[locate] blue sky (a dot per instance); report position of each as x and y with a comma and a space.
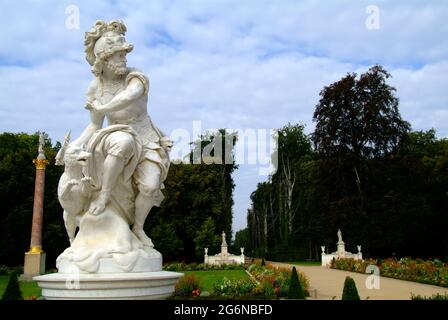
234, 64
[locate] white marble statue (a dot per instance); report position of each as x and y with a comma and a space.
224, 243
340, 236
110, 185
41, 146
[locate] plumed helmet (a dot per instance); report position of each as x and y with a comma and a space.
104, 39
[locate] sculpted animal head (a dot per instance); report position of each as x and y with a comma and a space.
76, 155
71, 154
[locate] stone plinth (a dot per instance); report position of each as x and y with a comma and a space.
224, 257
34, 265
327, 258
224, 251
112, 286
341, 248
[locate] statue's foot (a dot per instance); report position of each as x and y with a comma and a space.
98, 205
141, 235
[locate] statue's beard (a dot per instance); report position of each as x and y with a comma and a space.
118, 68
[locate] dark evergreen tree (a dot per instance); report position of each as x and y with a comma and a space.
12, 291
350, 292
295, 288
164, 235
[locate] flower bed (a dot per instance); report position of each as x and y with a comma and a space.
274, 282
432, 272
235, 289
187, 286
268, 283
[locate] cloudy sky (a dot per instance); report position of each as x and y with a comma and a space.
229, 64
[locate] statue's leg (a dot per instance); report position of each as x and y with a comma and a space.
119, 147
148, 186
70, 225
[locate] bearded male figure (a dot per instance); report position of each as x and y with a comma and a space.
129, 160
113, 176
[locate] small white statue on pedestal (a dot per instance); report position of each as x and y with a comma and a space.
340, 236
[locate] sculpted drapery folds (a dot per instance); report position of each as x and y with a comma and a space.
123, 165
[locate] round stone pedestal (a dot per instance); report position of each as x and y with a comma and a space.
110, 286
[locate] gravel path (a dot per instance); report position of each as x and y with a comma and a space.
328, 283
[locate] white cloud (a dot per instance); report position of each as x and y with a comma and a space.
251, 64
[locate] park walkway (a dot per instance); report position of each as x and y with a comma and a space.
328, 283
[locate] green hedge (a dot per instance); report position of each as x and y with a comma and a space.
437, 296
180, 266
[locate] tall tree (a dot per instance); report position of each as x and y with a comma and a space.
359, 117
17, 174
357, 121
206, 237
197, 192
384, 186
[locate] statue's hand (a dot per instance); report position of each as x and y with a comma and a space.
86, 180
96, 116
166, 143
72, 182
94, 105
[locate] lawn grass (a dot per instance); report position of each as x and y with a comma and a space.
208, 278
29, 289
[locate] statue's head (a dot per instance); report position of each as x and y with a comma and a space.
106, 47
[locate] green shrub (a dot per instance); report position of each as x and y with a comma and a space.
191, 266
180, 266
12, 291
437, 296
268, 290
201, 266
350, 292
4, 270
187, 286
251, 267
295, 288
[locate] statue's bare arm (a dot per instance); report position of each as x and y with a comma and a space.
96, 118
133, 91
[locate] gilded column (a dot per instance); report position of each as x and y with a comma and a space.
35, 257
